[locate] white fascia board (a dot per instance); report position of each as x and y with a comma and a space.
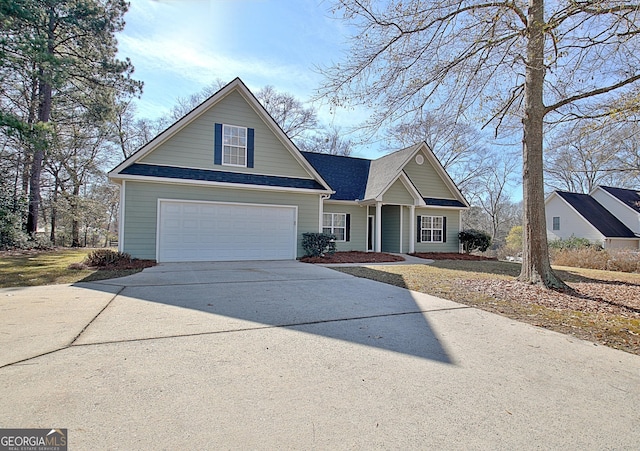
170, 181
343, 202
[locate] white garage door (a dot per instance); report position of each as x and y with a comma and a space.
211, 231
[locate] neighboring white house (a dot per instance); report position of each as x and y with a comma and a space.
581, 215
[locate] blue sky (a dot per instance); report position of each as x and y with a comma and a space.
180, 46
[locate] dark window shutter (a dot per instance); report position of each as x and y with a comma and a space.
217, 145
250, 135
419, 229
347, 232
444, 229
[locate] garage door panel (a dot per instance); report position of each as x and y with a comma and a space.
201, 231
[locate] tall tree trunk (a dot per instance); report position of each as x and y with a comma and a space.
536, 268
44, 114
75, 223
54, 211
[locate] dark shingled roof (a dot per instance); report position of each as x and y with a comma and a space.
432, 201
347, 176
597, 215
219, 176
629, 196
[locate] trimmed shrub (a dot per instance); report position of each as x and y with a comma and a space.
317, 244
106, 257
473, 239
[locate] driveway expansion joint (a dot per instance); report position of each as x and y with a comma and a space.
96, 317
274, 326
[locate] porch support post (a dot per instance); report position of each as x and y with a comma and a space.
378, 226
412, 229
401, 226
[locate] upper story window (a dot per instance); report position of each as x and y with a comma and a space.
556, 223
234, 145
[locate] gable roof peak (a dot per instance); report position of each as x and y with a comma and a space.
236, 85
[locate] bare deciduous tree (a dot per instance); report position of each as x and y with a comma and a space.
594, 152
501, 59
329, 140
492, 196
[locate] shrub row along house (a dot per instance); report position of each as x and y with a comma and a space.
607, 216
226, 183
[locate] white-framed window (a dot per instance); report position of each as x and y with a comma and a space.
556, 223
234, 145
335, 224
431, 229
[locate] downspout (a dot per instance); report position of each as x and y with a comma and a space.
323, 197
121, 218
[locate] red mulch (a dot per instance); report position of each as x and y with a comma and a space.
354, 257
451, 256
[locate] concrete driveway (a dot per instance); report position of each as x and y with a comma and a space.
284, 355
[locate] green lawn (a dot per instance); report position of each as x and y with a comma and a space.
51, 267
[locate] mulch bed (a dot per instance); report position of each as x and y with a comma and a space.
354, 257
451, 256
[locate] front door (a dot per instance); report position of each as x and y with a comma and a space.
370, 232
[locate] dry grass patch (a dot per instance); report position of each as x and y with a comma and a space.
33, 268
605, 307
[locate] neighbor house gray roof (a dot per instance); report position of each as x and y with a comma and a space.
598, 216
219, 176
629, 197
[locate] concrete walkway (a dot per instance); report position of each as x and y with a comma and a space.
284, 355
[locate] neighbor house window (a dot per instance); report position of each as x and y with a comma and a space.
556, 223
234, 145
335, 224
431, 229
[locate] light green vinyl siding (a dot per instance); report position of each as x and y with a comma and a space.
397, 194
427, 180
192, 146
390, 228
141, 202
453, 226
358, 238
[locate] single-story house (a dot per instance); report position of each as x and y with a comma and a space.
583, 216
226, 183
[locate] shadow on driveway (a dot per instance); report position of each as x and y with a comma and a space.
205, 298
